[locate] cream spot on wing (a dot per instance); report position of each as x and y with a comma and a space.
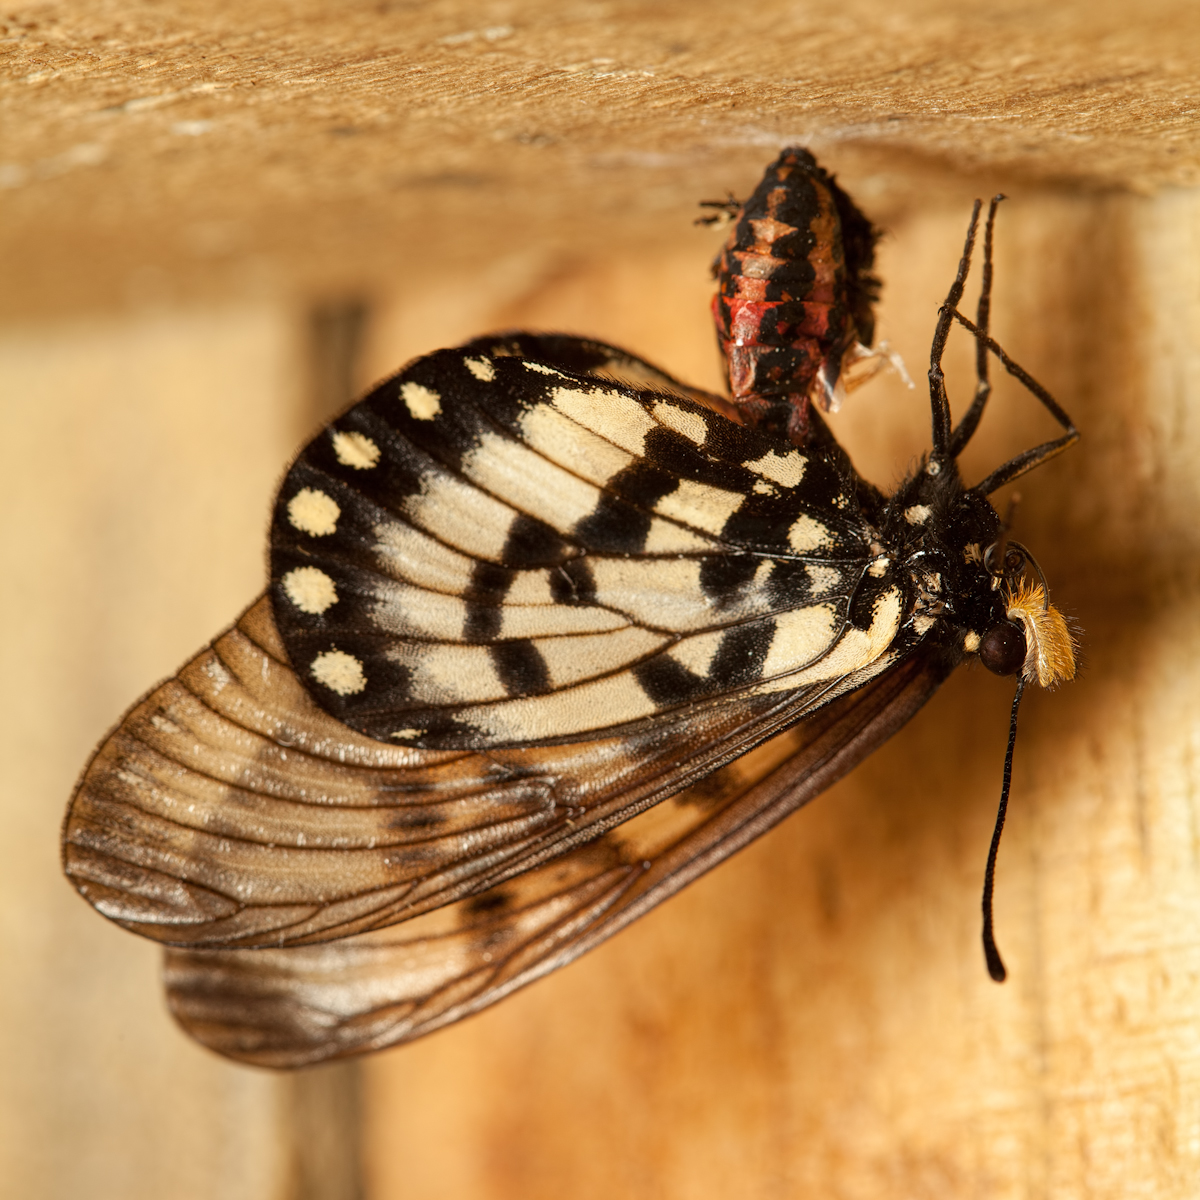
313, 512
340, 672
513, 472
570, 444
215, 670
461, 515
667, 538
542, 369
699, 505
662, 593
587, 706
697, 653
410, 611
529, 587
408, 733
453, 674
354, 449
691, 425
554, 620
763, 488
423, 403
923, 624
855, 650
971, 641
918, 514
613, 415
310, 589
408, 554
800, 636
878, 567
571, 660
824, 579
481, 369
807, 534
784, 469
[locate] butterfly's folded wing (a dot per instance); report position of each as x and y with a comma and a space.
228, 810
289, 1007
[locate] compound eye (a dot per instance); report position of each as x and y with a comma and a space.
1002, 649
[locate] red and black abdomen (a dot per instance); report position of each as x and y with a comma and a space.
795, 292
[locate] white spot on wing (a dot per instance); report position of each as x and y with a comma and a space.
340, 672
806, 535
423, 403
354, 449
784, 469
310, 589
481, 368
542, 369
313, 512
691, 425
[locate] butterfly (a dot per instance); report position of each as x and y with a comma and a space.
548, 636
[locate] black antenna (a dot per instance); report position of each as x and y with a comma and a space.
995, 964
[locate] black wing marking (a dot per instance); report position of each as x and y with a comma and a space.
492, 550
288, 1008
228, 810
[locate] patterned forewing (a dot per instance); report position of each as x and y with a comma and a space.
491, 550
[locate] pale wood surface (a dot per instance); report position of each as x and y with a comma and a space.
252, 144
134, 529
813, 1019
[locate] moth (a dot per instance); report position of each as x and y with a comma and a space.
548, 635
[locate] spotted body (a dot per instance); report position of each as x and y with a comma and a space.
546, 638
794, 294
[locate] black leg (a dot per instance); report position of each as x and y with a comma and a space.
1029, 459
938, 400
